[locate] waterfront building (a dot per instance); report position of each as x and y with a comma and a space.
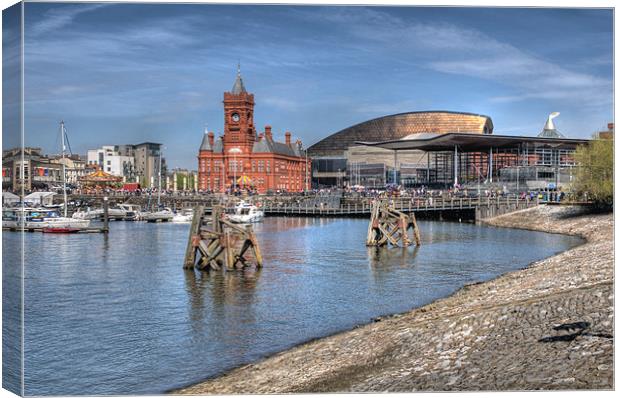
441, 150
514, 163
241, 157
75, 167
134, 163
606, 134
338, 160
28, 169
111, 161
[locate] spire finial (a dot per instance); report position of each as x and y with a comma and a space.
238, 67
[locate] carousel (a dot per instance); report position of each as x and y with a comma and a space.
100, 180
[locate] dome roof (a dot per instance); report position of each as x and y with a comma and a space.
398, 126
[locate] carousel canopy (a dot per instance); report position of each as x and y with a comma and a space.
244, 180
100, 176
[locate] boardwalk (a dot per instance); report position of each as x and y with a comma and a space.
337, 205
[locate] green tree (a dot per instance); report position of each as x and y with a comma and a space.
595, 174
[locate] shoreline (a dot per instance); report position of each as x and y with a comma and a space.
547, 326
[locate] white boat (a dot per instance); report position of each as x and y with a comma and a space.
114, 213
132, 212
34, 218
246, 213
164, 215
184, 216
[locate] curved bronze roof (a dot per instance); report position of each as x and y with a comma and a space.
394, 127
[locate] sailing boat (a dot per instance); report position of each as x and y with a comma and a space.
64, 223
46, 219
162, 215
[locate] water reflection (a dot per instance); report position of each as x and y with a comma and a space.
384, 258
118, 314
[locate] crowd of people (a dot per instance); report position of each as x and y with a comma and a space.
389, 191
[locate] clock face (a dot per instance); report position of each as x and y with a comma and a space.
235, 117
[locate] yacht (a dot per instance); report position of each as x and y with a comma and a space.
183, 216
246, 213
132, 212
114, 213
35, 218
163, 215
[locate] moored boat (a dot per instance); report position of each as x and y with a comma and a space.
35, 218
164, 215
183, 216
246, 213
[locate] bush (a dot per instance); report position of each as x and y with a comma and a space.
595, 174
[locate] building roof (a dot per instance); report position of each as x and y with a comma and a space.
549, 131
238, 87
397, 126
473, 142
9, 196
218, 145
267, 145
205, 146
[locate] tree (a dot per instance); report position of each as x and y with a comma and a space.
595, 174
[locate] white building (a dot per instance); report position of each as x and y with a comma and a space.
111, 161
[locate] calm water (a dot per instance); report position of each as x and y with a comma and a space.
119, 315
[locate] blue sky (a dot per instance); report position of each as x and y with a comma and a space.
128, 73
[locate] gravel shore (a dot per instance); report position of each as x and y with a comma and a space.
549, 327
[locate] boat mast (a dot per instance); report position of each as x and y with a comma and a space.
64, 175
159, 183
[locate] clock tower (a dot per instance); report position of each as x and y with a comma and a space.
239, 131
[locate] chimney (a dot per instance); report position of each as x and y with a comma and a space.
211, 138
287, 137
610, 126
268, 132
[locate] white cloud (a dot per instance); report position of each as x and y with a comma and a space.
468, 52
58, 18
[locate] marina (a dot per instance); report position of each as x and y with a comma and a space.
127, 324
334, 199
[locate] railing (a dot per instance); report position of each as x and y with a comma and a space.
324, 205
412, 205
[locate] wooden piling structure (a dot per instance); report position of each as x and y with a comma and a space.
388, 225
216, 242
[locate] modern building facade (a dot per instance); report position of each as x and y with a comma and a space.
134, 163
241, 157
108, 159
515, 163
338, 159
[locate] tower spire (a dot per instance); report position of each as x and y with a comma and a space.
238, 87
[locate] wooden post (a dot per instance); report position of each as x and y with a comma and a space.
194, 230
106, 217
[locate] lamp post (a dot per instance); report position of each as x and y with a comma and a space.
235, 151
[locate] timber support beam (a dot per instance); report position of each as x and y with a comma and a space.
388, 225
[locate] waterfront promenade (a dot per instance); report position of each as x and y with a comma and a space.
549, 326
455, 207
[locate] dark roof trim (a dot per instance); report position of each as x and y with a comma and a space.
472, 142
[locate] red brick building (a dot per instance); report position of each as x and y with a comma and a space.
253, 160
